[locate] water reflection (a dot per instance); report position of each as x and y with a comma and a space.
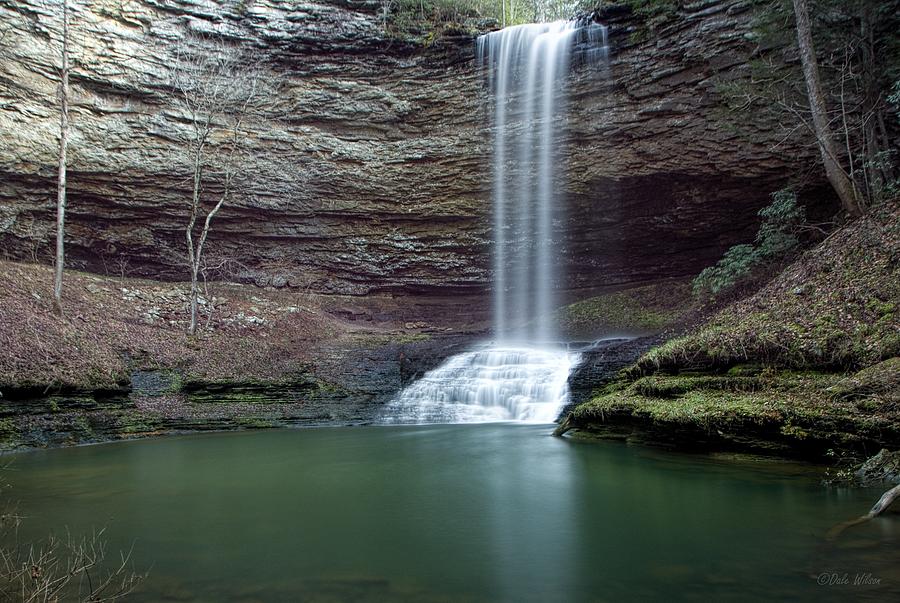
456, 513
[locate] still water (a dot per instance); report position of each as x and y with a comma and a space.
497, 512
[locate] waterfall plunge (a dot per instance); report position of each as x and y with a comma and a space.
527, 68
523, 375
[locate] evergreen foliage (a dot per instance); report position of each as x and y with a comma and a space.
425, 16
776, 237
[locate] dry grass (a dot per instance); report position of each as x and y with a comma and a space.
112, 325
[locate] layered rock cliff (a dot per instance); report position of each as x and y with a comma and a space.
371, 170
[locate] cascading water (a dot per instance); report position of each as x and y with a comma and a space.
527, 68
523, 374
490, 384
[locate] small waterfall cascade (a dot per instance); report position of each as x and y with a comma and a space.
490, 384
523, 374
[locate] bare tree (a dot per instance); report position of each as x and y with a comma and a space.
840, 180
63, 147
853, 71
219, 86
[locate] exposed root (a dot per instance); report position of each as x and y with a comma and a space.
886, 500
567, 424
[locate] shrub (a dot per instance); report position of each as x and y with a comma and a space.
778, 232
734, 265
777, 236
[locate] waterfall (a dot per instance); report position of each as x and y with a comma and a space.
523, 374
527, 68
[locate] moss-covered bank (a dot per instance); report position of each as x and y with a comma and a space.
806, 366
635, 311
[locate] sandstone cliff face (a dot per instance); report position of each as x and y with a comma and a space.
371, 171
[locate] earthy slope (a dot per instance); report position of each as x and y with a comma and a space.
118, 363
807, 365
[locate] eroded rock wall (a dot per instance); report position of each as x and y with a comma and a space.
371, 170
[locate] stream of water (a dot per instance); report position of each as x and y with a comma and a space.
527, 68
489, 384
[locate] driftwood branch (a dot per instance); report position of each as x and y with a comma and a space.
886, 500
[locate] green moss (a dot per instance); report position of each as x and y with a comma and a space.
880, 379
136, 422
175, 381
256, 423
826, 327
701, 408
136, 427
745, 370
646, 309
794, 432
81, 428
7, 428
883, 309
768, 406
234, 397
9, 434
328, 387
659, 386
666, 8
253, 390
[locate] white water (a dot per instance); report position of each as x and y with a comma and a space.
528, 67
522, 377
493, 384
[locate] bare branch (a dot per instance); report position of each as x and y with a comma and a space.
219, 86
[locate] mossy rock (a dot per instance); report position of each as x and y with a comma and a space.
789, 409
745, 370
882, 379
883, 467
835, 309
639, 310
257, 423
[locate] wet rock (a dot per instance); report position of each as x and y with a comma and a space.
601, 361
883, 467
348, 385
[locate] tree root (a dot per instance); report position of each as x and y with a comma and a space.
566, 425
886, 500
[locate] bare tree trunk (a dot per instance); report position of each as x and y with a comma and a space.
843, 185
63, 145
195, 268
193, 254
218, 86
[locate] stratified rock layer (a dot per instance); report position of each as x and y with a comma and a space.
371, 169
